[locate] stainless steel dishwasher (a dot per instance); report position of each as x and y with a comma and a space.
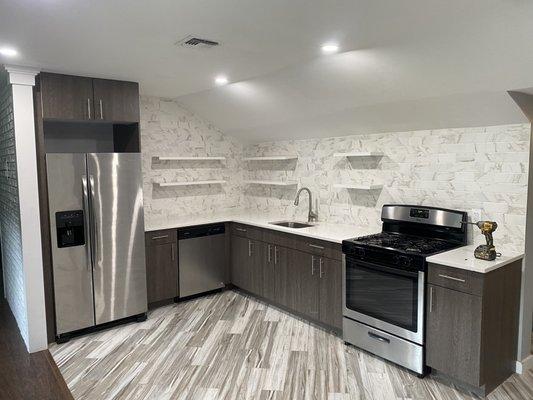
202, 255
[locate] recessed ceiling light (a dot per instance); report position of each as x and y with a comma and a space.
8, 51
221, 80
329, 48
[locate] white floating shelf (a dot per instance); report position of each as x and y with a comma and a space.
272, 183
178, 158
357, 187
271, 158
359, 154
190, 183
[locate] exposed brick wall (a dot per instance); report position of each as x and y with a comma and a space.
9, 210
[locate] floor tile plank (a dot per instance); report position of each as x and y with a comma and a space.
230, 346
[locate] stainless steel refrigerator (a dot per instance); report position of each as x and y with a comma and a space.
97, 238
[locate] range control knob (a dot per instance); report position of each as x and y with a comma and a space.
360, 252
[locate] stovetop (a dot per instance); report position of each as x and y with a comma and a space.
396, 250
409, 235
408, 244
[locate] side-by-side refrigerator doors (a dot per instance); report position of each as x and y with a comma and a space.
70, 240
119, 275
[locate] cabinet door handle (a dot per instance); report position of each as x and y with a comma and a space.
320, 264
250, 244
269, 255
159, 237
172, 255
240, 229
452, 278
101, 110
315, 246
275, 255
379, 338
431, 299
89, 108
312, 265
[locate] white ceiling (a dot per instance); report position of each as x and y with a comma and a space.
403, 65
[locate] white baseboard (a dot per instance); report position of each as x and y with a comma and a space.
524, 365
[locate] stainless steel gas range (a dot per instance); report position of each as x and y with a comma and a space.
384, 280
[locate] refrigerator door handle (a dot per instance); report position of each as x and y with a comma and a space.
94, 224
86, 221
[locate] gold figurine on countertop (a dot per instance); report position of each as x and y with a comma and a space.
486, 251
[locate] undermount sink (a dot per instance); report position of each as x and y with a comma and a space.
292, 224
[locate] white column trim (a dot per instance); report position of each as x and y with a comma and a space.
21, 75
22, 81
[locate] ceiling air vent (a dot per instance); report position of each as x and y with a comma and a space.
196, 43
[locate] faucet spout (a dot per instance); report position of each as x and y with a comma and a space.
311, 216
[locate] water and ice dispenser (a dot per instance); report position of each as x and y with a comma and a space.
70, 228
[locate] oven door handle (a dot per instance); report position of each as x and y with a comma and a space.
378, 338
354, 263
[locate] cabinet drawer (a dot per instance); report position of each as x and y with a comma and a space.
161, 237
456, 279
318, 247
302, 243
278, 238
247, 231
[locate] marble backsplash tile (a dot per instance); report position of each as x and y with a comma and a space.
483, 169
169, 130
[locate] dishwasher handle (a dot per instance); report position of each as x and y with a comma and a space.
201, 231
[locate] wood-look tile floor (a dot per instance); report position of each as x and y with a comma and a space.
229, 346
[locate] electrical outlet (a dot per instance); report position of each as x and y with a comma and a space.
472, 233
475, 215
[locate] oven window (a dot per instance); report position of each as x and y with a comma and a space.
385, 294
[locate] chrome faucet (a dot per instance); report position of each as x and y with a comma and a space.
312, 216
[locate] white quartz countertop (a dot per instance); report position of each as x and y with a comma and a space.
463, 258
321, 230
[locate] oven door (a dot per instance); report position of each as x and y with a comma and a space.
385, 298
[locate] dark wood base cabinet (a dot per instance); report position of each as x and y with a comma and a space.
304, 276
298, 274
472, 324
161, 265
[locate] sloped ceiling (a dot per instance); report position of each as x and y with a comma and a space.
403, 65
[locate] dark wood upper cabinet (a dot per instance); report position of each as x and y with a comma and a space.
66, 97
116, 100
76, 98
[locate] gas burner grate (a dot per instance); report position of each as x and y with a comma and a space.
405, 243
